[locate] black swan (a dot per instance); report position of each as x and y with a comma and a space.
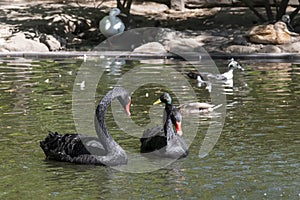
164, 142
101, 150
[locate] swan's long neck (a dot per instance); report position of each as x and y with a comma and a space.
112, 17
229, 73
100, 124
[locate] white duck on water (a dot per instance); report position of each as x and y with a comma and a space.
225, 76
111, 25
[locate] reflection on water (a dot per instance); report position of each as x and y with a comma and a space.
256, 156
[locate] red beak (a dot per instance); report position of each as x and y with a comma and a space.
127, 108
178, 128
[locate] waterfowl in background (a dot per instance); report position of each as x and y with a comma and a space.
287, 20
199, 78
165, 142
232, 65
277, 33
111, 25
101, 150
197, 107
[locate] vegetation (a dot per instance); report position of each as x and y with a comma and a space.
280, 8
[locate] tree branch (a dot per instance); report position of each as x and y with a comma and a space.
295, 12
282, 8
268, 10
252, 8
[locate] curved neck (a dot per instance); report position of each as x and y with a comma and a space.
112, 17
100, 113
230, 69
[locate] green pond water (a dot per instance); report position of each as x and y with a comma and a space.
256, 156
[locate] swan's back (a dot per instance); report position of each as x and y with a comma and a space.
155, 143
153, 139
176, 148
72, 148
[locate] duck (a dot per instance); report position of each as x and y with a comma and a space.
111, 25
197, 107
199, 78
277, 34
164, 141
82, 149
287, 20
232, 65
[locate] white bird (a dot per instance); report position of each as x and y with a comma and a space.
231, 66
111, 25
225, 76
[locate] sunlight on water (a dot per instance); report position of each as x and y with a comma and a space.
256, 156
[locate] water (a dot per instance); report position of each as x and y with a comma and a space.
256, 156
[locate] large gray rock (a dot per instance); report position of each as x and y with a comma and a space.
51, 42
184, 45
292, 48
270, 49
19, 42
151, 47
242, 49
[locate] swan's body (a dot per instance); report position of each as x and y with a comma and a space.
163, 141
111, 25
232, 65
76, 148
197, 107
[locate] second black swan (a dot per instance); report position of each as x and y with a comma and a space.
164, 142
101, 150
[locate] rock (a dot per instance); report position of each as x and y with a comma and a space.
184, 45
270, 49
166, 35
147, 7
292, 48
51, 42
18, 42
151, 47
5, 31
242, 49
239, 40
177, 5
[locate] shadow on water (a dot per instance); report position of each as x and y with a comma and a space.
256, 156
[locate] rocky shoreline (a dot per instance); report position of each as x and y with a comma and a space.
42, 27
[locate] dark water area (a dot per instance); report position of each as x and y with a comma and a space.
255, 156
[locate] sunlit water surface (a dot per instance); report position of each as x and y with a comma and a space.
257, 156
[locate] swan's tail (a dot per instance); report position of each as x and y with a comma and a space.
57, 146
75, 148
50, 143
